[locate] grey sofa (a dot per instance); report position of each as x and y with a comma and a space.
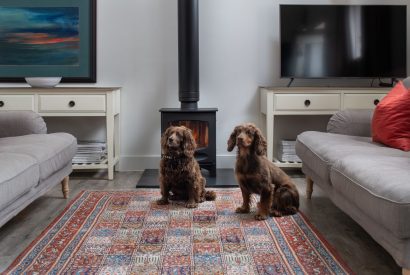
31, 161
368, 181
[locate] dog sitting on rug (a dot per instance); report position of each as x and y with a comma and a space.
257, 175
179, 171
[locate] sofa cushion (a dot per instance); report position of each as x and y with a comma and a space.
351, 122
20, 123
320, 150
19, 173
52, 151
379, 186
391, 119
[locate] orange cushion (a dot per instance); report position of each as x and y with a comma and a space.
391, 119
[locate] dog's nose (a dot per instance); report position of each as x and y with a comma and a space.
170, 139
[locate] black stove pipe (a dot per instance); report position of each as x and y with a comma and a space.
188, 53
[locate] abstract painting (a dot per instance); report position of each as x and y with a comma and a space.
47, 39
39, 36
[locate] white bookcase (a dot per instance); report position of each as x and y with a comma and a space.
73, 102
307, 108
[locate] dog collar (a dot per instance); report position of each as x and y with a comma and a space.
172, 157
174, 161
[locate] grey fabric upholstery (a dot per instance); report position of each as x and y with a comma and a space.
20, 203
13, 123
406, 82
51, 151
398, 248
321, 150
31, 161
351, 122
16, 177
381, 191
367, 180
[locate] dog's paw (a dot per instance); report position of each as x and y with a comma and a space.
260, 217
162, 202
276, 213
242, 210
191, 205
174, 198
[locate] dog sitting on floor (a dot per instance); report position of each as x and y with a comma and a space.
179, 170
257, 175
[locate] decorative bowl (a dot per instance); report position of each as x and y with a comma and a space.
43, 82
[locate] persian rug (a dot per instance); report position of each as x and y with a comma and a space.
126, 232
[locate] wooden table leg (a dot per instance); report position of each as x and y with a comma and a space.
309, 187
64, 186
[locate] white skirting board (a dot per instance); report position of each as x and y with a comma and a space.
140, 163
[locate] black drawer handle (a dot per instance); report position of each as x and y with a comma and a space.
71, 103
1, 103
307, 102
376, 101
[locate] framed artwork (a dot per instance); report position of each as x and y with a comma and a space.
48, 38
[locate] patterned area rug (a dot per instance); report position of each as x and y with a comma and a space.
125, 232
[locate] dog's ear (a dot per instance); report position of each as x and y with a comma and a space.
164, 138
259, 143
232, 138
189, 144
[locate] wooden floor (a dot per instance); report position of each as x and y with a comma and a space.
354, 245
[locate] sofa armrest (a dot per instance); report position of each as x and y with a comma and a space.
406, 82
19, 123
351, 122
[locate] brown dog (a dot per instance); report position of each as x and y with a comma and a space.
257, 175
179, 171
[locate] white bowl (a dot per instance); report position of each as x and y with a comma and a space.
43, 82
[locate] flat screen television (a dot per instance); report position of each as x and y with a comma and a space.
326, 41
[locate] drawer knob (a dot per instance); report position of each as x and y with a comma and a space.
71, 103
1, 103
307, 102
376, 101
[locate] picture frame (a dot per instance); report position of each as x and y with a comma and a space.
48, 38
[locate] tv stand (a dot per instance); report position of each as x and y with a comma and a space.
286, 112
384, 84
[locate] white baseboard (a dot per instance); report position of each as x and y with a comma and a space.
140, 163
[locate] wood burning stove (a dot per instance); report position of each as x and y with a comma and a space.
202, 121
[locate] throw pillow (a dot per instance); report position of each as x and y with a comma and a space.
391, 119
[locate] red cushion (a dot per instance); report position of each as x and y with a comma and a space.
391, 119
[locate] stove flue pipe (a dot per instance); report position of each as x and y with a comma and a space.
188, 53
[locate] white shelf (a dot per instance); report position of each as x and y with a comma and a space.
287, 164
307, 108
98, 165
88, 102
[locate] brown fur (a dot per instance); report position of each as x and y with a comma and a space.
257, 175
179, 171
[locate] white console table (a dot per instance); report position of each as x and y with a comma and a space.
73, 102
305, 102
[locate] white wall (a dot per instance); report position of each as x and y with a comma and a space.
239, 51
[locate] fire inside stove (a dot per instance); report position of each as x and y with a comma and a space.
200, 130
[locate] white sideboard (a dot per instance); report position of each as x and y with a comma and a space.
306, 104
70, 102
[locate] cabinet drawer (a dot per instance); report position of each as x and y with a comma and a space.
362, 101
72, 103
306, 102
16, 103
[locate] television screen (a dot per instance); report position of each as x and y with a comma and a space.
319, 41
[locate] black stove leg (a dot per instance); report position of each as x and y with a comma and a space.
212, 172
